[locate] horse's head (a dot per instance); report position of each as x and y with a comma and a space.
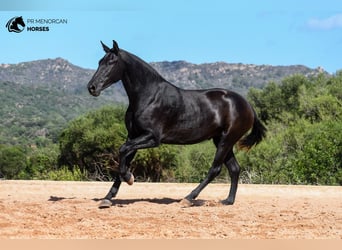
109, 71
19, 20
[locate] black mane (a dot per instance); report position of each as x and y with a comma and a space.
141, 66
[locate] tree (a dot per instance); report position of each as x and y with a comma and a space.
320, 159
268, 102
275, 100
290, 92
12, 161
92, 142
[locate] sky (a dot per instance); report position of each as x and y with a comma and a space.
287, 32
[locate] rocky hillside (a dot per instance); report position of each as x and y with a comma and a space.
54, 74
235, 76
60, 74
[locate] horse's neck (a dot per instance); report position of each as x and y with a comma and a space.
139, 67
139, 77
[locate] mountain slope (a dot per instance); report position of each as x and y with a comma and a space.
52, 72
61, 74
30, 114
234, 76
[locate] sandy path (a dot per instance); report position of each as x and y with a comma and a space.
68, 210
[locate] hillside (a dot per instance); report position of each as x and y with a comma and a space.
31, 114
62, 75
53, 74
39, 97
235, 76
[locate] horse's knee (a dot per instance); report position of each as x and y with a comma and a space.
213, 172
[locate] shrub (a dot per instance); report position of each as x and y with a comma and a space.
12, 161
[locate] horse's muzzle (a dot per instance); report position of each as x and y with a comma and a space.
92, 90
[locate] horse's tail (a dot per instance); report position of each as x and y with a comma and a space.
255, 136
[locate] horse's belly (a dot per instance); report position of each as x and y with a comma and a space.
188, 136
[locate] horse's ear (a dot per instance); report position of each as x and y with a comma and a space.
105, 48
115, 48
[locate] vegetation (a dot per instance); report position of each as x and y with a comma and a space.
303, 145
32, 115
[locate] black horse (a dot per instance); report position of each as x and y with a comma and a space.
160, 112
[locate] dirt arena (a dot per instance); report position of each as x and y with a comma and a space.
68, 210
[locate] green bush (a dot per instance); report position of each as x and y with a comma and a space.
320, 158
301, 154
12, 161
40, 161
64, 173
304, 143
156, 164
91, 142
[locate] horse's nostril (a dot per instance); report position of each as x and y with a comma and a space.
92, 89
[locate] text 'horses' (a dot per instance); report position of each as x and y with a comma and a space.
160, 112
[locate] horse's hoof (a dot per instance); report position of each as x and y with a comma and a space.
227, 202
131, 180
186, 203
105, 204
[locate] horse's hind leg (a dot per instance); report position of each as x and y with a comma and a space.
222, 150
234, 172
213, 172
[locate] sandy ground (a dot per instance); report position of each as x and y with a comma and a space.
68, 210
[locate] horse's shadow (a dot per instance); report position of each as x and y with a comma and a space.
57, 198
160, 201
126, 202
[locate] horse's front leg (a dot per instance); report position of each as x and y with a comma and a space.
106, 202
130, 147
124, 162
